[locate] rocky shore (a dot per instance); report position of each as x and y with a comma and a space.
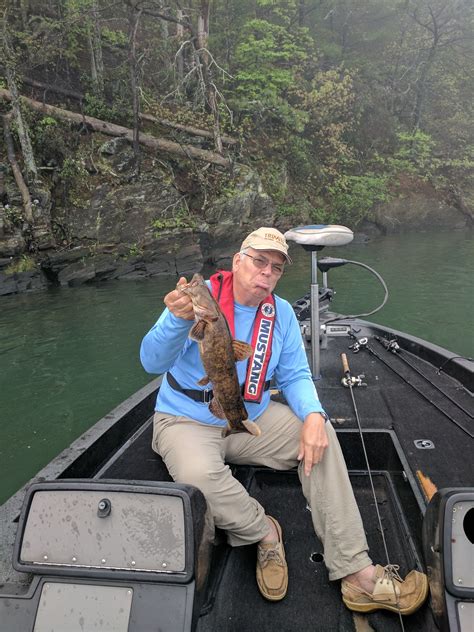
120, 227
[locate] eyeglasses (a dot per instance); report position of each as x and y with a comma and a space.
261, 263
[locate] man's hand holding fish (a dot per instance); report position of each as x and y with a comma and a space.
178, 303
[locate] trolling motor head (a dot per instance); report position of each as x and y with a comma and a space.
314, 238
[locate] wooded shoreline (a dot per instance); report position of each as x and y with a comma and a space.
131, 126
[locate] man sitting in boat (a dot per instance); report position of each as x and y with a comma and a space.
189, 438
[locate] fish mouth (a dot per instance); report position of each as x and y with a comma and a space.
194, 283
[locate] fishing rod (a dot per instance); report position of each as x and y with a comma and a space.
394, 347
362, 343
349, 380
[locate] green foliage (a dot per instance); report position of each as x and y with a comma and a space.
275, 181
181, 219
135, 250
52, 140
114, 38
24, 264
330, 105
414, 154
287, 210
352, 198
97, 107
269, 58
14, 214
75, 178
322, 96
73, 168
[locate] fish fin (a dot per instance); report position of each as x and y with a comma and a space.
242, 350
226, 431
204, 380
252, 427
197, 330
216, 408
249, 426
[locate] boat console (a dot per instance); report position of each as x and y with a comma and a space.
109, 555
448, 543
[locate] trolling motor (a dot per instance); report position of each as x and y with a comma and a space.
313, 238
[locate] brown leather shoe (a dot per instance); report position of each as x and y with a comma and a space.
272, 571
391, 592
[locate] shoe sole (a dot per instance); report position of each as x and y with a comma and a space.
261, 587
372, 606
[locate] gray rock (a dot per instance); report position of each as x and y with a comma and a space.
230, 220
414, 211
56, 261
134, 275
76, 273
113, 146
105, 267
8, 284
5, 261
30, 281
12, 245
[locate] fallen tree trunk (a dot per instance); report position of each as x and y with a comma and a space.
110, 129
77, 96
195, 131
20, 181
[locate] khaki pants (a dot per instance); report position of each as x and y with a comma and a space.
196, 454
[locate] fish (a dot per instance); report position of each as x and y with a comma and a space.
219, 352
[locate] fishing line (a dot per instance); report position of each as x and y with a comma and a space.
347, 373
393, 347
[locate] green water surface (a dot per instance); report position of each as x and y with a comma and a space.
68, 356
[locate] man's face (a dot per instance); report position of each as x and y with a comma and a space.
252, 282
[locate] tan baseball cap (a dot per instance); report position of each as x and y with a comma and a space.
267, 239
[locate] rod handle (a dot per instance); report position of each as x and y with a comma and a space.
345, 363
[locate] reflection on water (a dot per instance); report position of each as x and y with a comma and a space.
69, 356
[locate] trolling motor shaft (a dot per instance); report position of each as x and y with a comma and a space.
314, 238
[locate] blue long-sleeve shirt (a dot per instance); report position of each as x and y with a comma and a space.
167, 347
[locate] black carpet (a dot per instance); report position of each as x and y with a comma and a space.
312, 602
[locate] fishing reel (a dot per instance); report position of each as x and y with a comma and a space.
390, 345
353, 380
359, 344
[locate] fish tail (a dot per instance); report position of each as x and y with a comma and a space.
252, 427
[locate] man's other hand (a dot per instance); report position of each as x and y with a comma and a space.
313, 441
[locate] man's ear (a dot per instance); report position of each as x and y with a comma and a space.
236, 259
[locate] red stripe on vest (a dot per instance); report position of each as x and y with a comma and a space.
262, 334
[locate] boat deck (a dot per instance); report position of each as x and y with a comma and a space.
393, 416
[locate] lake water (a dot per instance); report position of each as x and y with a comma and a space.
68, 356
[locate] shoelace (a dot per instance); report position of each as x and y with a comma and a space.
390, 572
265, 555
